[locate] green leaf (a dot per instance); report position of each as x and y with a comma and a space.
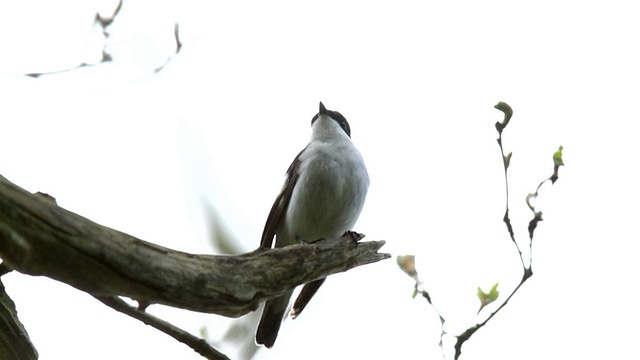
557, 157
488, 298
557, 162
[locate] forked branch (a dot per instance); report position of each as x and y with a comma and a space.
407, 264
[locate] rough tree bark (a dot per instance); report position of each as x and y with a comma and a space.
37, 237
14, 340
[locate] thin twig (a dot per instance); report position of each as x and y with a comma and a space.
104, 22
419, 288
176, 35
198, 345
406, 262
527, 271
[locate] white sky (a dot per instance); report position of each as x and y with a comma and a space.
417, 80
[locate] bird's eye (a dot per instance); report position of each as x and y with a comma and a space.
345, 127
342, 121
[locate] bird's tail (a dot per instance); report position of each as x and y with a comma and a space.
307, 292
272, 317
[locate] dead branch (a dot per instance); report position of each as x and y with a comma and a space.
37, 237
14, 342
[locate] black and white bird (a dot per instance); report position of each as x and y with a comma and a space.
322, 197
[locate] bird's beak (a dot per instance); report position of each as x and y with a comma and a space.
323, 110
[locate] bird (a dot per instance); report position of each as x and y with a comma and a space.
322, 197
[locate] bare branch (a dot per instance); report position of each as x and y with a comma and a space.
14, 342
176, 35
198, 345
527, 270
104, 22
407, 262
37, 237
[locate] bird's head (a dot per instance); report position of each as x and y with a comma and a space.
328, 121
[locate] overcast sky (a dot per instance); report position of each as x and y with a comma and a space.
142, 152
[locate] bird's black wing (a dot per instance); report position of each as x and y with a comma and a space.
279, 207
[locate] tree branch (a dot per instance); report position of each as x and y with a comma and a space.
37, 237
407, 262
14, 342
198, 345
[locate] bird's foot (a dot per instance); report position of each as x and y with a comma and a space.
355, 236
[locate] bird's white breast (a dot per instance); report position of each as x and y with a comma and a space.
329, 194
